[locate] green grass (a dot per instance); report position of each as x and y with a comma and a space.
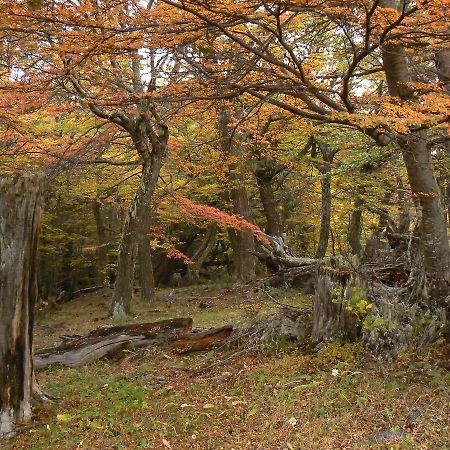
334, 398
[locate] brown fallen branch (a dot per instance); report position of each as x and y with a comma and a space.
204, 340
112, 341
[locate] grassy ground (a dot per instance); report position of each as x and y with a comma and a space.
294, 398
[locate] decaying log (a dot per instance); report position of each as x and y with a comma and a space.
105, 342
204, 340
111, 341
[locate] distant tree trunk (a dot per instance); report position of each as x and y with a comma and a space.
20, 210
264, 178
145, 260
243, 245
419, 165
325, 216
202, 253
123, 291
405, 218
242, 242
102, 251
355, 227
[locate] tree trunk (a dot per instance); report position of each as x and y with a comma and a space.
443, 66
114, 341
242, 242
20, 210
424, 187
201, 254
145, 259
274, 226
355, 227
338, 285
433, 226
102, 250
325, 217
123, 291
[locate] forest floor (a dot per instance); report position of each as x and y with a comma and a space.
283, 398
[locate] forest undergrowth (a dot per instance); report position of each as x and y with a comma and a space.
287, 396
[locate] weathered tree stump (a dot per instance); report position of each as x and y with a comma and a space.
20, 209
338, 283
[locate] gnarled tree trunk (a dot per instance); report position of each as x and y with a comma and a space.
20, 210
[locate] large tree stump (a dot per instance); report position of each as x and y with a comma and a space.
338, 284
20, 209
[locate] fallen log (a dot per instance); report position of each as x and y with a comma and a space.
107, 342
204, 340
112, 341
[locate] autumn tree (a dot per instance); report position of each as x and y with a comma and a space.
99, 58
282, 61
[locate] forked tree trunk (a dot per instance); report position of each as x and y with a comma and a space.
20, 210
201, 254
123, 291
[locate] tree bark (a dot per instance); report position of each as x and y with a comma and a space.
325, 216
443, 67
264, 179
112, 342
20, 210
145, 259
242, 242
355, 227
337, 283
102, 250
244, 262
121, 303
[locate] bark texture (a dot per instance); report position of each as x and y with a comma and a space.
145, 259
20, 210
265, 174
355, 227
